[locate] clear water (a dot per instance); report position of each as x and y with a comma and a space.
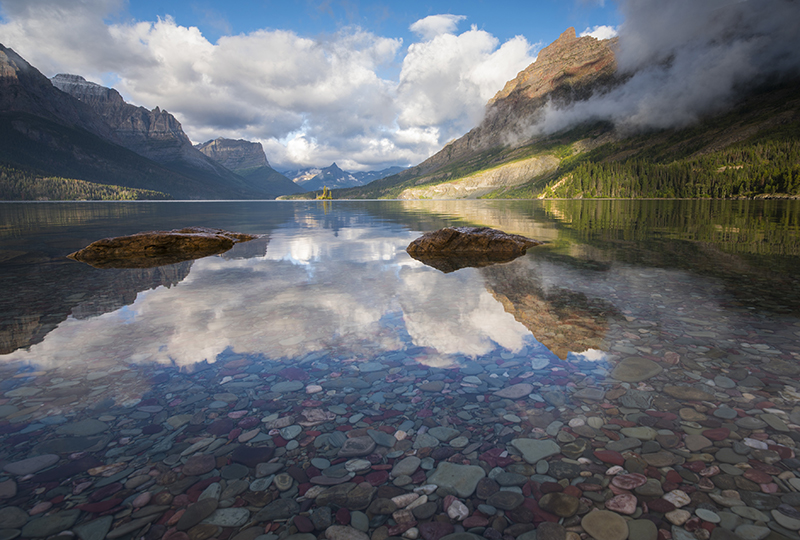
334, 279
325, 325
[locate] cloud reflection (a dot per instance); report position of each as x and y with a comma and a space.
352, 292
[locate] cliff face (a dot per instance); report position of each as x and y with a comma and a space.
155, 134
235, 154
568, 69
24, 89
248, 160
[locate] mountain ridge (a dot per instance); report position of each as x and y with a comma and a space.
104, 146
333, 177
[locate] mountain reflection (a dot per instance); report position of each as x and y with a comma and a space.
354, 293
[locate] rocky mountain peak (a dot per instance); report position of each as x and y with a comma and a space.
90, 93
571, 68
568, 59
235, 154
155, 134
24, 89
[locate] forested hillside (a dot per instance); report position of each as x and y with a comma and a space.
16, 185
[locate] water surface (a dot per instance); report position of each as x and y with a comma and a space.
326, 312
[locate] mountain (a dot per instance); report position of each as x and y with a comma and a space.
156, 134
248, 160
46, 133
365, 177
299, 176
748, 147
53, 145
314, 179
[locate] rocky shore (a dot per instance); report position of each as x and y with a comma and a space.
680, 445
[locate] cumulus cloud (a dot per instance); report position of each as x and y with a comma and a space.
309, 101
600, 32
435, 25
446, 81
685, 59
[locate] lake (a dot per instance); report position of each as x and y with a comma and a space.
297, 379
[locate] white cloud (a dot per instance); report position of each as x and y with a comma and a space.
435, 25
445, 82
600, 32
309, 101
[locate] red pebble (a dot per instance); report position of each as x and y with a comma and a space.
693, 524
475, 521
551, 487
717, 434
418, 477
674, 477
303, 524
609, 456
662, 506
377, 478
784, 451
575, 491
343, 516
759, 477
694, 466
669, 486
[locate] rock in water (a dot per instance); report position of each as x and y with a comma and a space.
158, 248
453, 248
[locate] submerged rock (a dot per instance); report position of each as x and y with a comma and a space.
453, 248
158, 248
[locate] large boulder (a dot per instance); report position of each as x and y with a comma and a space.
157, 248
452, 248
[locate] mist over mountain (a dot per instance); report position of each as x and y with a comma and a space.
683, 60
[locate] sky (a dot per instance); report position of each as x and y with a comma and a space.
364, 84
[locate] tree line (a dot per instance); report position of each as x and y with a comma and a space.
760, 169
16, 185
